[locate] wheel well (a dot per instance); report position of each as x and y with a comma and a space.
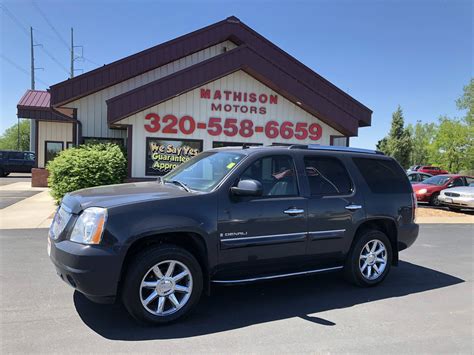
388, 227
191, 242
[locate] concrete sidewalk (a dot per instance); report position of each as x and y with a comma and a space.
33, 212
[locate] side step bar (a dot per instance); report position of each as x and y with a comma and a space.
270, 277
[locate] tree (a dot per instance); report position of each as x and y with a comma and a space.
422, 135
9, 138
466, 102
452, 144
398, 142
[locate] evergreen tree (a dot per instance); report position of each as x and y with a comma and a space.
398, 142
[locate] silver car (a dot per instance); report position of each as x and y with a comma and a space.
456, 198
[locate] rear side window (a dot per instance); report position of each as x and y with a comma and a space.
327, 176
383, 176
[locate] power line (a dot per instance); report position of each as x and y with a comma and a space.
15, 20
63, 41
23, 70
27, 33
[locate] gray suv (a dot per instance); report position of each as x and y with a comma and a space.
231, 216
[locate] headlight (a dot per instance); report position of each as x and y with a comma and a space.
89, 226
422, 191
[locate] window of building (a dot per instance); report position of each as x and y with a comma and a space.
339, 141
327, 176
69, 145
276, 174
52, 149
383, 175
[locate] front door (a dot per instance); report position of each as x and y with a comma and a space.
333, 206
265, 234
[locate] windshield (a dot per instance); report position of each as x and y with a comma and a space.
204, 171
437, 180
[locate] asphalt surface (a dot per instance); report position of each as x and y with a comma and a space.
424, 306
15, 177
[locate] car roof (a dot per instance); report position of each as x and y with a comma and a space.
281, 149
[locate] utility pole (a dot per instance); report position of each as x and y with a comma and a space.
32, 126
32, 59
72, 53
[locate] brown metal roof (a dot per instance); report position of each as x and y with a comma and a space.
228, 29
35, 104
242, 58
35, 99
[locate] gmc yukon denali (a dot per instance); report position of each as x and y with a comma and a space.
230, 216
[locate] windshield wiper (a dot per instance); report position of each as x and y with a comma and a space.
179, 183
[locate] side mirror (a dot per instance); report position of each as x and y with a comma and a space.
247, 188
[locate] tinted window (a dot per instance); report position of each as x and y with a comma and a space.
16, 155
469, 180
413, 177
458, 182
276, 173
383, 176
29, 156
327, 176
52, 149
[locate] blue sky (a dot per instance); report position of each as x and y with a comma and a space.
417, 54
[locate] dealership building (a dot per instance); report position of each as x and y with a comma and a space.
221, 85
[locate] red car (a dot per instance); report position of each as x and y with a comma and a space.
433, 170
429, 189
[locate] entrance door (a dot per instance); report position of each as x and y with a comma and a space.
332, 206
263, 234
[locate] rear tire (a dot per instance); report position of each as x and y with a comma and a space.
152, 293
369, 260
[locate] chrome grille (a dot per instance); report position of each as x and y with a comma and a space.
61, 218
452, 194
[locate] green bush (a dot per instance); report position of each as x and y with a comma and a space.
86, 166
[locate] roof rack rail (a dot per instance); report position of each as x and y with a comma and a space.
335, 148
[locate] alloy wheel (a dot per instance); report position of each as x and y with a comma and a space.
373, 259
166, 288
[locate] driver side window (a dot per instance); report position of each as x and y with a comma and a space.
275, 173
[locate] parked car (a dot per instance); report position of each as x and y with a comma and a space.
433, 170
415, 177
231, 216
413, 168
457, 198
16, 162
429, 190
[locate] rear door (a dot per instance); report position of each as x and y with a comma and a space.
334, 205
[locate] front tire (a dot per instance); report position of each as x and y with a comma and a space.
162, 284
434, 200
369, 260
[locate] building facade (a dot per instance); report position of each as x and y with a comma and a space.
222, 85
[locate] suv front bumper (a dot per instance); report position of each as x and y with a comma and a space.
90, 269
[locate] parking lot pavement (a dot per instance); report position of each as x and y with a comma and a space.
15, 177
424, 306
8, 198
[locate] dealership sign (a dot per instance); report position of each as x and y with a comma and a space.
225, 103
163, 155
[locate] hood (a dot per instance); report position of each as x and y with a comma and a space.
461, 190
116, 195
419, 186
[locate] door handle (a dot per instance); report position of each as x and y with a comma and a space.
293, 211
353, 207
